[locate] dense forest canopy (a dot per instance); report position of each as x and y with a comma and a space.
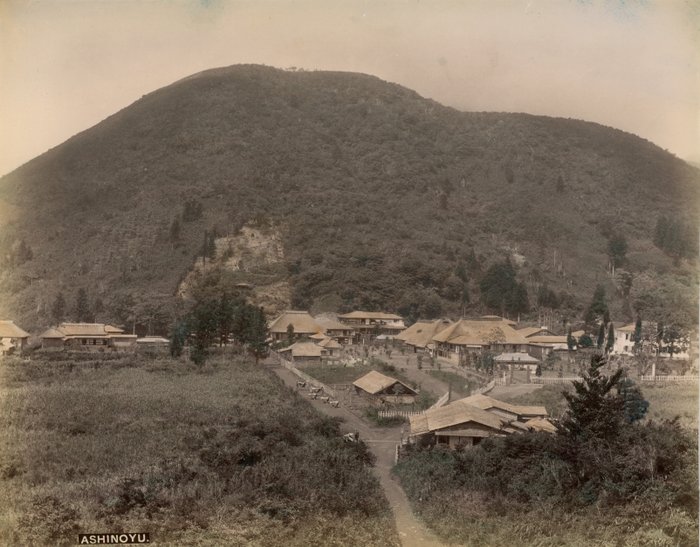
383, 199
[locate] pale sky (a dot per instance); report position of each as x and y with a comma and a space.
631, 64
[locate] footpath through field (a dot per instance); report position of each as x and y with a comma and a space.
382, 442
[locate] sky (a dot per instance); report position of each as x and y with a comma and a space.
65, 65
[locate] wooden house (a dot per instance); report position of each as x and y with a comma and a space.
517, 361
378, 387
304, 353
490, 333
419, 336
467, 421
301, 321
12, 338
332, 328
87, 337
367, 325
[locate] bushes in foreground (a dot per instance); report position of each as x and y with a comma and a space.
642, 477
222, 456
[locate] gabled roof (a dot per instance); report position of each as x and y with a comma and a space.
626, 328
304, 349
538, 339
329, 343
302, 322
9, 330
516, 358
328, 323
52, 333
480, 332
92, 330
485, 402
452, 415
421, 333
372, 315
374, 382
528, 332
540, 424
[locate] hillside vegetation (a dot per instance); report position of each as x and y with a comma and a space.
224, 455
383, 199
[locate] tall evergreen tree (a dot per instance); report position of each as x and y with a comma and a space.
58, 309
601, 336
203, 324
178, 336
82, 306
257, 333
570, 341
595, 411
598, 306
611, 338
637, 336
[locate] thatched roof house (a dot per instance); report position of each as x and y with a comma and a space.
385, 388
476, 335
301, 321
466, 421
304, 352
420, 334
12, 338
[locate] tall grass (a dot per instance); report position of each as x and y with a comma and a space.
222, 455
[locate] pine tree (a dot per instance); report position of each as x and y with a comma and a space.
611, 338
635, 406
178, 336
601, 336
58, 309
594, 410
203, 324
82, 307
258, 333
570, 341
290, 334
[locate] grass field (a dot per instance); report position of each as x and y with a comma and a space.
460, 385
346, 374
666, 401
225, 455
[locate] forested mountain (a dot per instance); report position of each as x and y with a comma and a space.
382, 199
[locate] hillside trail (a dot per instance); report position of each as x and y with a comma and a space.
382, 442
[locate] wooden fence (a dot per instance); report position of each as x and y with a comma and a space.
668, 378
399, 413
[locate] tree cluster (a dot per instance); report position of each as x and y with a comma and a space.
675, 237
501, 292
220, 321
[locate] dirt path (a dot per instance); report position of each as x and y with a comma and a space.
382, 442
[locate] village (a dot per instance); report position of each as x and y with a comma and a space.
434, 374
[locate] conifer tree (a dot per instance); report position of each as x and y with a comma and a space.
601, 336
82, 307
611, 338
257, 333
595, 411
58, 309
